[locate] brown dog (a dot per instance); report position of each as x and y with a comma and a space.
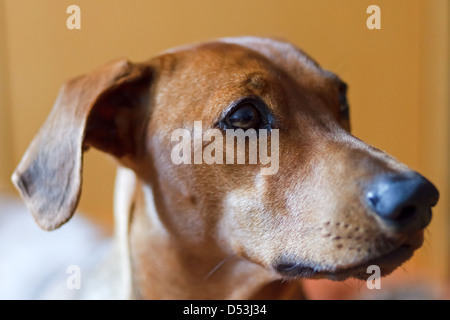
335, 206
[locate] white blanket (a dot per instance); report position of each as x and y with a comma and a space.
35, 264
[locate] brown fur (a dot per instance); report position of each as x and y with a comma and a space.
217, 231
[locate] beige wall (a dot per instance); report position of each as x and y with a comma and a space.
434, 125
393, 73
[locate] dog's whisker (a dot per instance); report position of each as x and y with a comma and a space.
427, 238
360, 285
217, 267
344, 282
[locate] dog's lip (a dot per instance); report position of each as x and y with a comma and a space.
387, 263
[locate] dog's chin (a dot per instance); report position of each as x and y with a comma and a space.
387, 263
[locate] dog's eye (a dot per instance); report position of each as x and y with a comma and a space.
245, 116
247, 113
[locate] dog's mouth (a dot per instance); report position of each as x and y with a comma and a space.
386, 262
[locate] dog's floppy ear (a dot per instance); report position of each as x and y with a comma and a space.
100, 109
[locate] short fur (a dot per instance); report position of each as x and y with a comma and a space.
216, 231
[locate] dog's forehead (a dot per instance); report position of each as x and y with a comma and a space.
255, 52
284, 54
290, 59
205, 79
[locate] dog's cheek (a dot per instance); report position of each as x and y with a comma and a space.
252, 230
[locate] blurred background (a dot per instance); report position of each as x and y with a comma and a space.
398, 78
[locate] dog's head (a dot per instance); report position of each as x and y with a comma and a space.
331, 207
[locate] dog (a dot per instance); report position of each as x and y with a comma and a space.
226, 231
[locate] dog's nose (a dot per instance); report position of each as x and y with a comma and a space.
403, 200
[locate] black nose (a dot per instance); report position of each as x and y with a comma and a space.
403, 200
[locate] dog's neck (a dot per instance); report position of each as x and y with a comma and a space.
161, 266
